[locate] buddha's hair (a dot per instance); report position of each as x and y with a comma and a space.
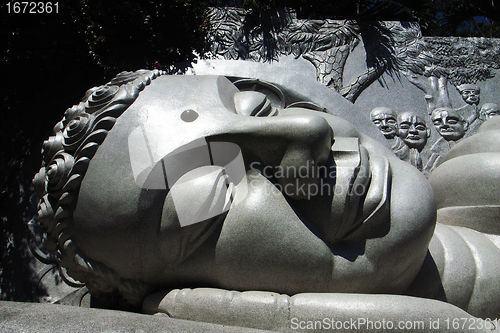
66, 156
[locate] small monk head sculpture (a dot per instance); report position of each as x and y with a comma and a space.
449, 123
413, 130
470, 93
489, 110
386, 121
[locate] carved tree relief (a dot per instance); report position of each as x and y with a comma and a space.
432, 63
429, 63
237, 34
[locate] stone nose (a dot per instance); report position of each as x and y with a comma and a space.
385, 123
270, 138
284, 142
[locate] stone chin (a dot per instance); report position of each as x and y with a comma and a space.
475, 160
451, 135
388, 133
415, 142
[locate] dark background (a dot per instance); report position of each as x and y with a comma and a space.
50, 60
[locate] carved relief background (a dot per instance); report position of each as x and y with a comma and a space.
441, 68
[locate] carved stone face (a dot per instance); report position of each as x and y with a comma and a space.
312, 218
470, 96
489, 110
449, 123
386, 121
413, 130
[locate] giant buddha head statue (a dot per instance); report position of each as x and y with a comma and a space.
161, 181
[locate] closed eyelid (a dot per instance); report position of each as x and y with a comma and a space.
253, 103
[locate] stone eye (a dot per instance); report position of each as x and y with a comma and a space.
253, 103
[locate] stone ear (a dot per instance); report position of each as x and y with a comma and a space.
428, 132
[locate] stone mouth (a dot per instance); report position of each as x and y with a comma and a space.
362, 185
